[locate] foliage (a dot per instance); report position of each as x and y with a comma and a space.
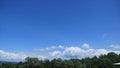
103, 61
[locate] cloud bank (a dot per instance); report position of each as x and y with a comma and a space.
77, 52
58, 52
8, 56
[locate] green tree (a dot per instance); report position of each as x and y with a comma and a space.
32, 62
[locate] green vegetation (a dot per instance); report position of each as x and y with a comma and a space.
103, 61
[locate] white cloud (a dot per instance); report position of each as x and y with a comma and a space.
45, 49
115, 46
56, 54
86, 46
49, 48
77, 52
61, 47
72, 52
11, 56
99, 52
40, 57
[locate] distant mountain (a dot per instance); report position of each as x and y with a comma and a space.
9, 62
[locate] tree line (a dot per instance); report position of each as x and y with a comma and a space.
103, 61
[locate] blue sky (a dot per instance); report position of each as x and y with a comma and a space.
27, 24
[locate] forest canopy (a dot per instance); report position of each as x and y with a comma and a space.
103, 61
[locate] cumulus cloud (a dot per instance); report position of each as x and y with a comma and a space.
77, 52
99, 52
72, 52
86, 46
56, 54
